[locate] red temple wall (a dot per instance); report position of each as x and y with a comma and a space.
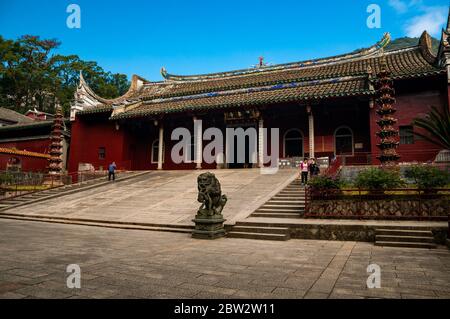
28, 163
90, 135
38, 146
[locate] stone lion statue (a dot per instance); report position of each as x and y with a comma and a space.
210, 195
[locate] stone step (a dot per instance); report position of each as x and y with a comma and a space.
297, 195
405, 244
278, 237
403, 232
288, 199
51, 193
9, 202
410, 239
276, 202
20, 199
283, 207
293, 189
264, 230
131, 226
35, 196
276, 215
279, 210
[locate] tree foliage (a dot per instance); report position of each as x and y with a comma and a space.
436, 126
426, 177
31, 76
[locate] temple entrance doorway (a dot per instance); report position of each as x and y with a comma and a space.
242, 156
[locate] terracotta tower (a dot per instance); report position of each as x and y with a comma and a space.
55, 161
388, 134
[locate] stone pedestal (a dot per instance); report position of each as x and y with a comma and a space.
208, 227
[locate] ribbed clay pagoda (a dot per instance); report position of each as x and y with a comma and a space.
388, 133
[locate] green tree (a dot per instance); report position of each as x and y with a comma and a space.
32, 77
436, 126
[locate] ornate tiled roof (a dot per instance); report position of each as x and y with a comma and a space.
345, 75
295, 91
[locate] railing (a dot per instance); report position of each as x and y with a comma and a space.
399, 203
16, 185
334, 167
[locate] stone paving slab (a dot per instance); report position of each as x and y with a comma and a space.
117, 263
162, 197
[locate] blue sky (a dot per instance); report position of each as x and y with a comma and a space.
194, 37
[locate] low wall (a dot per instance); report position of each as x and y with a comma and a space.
340, 232
406, 207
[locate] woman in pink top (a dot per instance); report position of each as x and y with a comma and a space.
304, 168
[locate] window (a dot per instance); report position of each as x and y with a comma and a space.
406, 135
101, 153
293, 143
155, 150
343, 141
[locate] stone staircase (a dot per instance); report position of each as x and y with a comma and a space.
289, 203
412, 237
39, 196
259, 231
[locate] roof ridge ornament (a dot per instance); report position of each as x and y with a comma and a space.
425, 45
164, 73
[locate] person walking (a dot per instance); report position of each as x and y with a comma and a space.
112, 171
304, 171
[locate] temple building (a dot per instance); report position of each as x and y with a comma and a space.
25, 140
323, 108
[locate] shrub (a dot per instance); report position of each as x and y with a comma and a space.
427, 177
324, 183
378, 179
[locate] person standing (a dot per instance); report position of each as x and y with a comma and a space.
304, 166
314, 169
112, 171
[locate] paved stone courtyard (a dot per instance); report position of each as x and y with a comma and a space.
117, 263
162, 197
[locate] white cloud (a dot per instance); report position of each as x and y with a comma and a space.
399, 5
432, 21
402, 6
